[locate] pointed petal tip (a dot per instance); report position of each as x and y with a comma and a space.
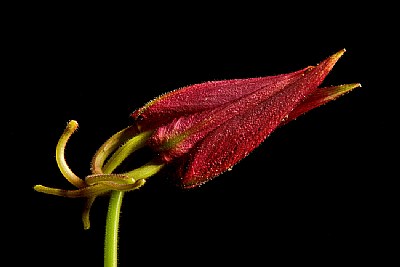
335, 91
338, 54
350, 86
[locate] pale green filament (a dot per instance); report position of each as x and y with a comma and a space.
60, 158
110, 146
125, 150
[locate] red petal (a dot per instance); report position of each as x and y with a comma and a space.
205, 96
320, 97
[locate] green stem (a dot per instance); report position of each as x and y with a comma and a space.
114, 207
111, 238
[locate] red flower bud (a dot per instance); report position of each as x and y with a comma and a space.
207, 128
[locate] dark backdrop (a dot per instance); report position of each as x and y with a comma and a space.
320, 186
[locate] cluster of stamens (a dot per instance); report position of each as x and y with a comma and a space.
107, 158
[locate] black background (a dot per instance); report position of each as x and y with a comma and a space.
317, 190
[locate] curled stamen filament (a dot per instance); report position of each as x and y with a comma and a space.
101, 178
110, 146
88, 191
60, 157
98, 184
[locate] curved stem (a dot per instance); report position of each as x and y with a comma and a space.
112, 223
125, 150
